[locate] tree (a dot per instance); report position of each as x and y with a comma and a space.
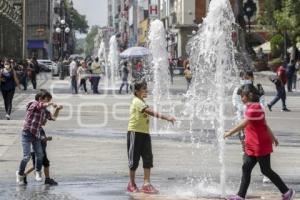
288, 18
270, 7
79, 22
90, 40
283, 16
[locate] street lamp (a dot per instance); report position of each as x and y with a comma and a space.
249, 10
62, 29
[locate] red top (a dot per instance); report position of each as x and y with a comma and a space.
258, 142
281, 73
139, 67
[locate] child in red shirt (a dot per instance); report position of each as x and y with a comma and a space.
258, 146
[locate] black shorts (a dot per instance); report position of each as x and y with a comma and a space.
46, 162
139, 145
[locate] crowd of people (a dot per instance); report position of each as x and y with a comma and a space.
14, 74
257, 138
83, 71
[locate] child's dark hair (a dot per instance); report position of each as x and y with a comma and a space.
250, 92
139, 85
249, 73
43, 94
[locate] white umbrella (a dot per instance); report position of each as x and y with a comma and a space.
135, 52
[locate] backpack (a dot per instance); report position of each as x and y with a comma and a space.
260, 89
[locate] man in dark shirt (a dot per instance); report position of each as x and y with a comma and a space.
280, 80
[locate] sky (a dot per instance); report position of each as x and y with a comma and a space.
95, 11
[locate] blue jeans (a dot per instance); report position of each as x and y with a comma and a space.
290, 81
74, 84
95, 83
281, 94
27, 140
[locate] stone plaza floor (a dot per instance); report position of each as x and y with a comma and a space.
89, 161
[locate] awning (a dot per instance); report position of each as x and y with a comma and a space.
36, 44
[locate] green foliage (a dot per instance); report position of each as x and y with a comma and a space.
270, 7
277, 44
283, 15
79, 22
89, 40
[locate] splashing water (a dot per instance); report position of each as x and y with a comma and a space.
113, 60
214, 70
160, 63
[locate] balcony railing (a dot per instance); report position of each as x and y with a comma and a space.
10, 12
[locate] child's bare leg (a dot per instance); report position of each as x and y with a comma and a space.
132, 176
29, 171
146, 176
47, 172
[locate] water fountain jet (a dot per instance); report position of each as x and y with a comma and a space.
211, 55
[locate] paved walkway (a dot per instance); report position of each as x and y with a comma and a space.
88, 153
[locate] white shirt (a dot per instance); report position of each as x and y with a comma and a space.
73, 68
240, 106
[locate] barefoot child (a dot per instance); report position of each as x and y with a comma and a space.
258, 145
44, 139
35, 113
139, 140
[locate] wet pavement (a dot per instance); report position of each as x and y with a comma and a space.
90, 162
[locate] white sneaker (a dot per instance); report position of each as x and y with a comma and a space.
19, 179
266, 180
7, 116
38, 176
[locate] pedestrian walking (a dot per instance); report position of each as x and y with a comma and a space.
188, 75
33, 70
279, 80
21, 70
35, 114
295, 54
139, 140
171, 70
258, 146
82, 74
247, 80
125, 74
291, 69
295, 76
73, 76
8, 83
96, 72
44, 140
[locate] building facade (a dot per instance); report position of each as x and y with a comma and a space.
42, 19
11, 29
180, 18
38, 28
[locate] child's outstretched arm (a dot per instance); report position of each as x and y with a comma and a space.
236, 129
152, 113
56, 111
274, 139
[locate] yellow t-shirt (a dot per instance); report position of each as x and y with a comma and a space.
138, 120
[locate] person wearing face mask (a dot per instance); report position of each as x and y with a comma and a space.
9, 81
247, 79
